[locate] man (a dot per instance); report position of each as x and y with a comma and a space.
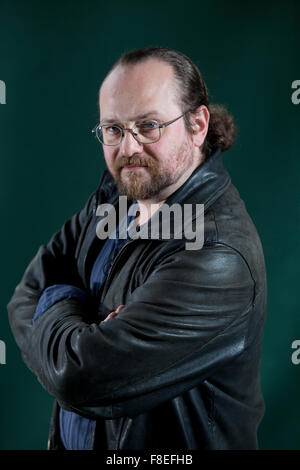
146, 344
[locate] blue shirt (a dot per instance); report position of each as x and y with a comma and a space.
75, 430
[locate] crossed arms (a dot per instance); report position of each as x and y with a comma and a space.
186, 320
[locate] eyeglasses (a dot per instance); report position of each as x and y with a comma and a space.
145, 132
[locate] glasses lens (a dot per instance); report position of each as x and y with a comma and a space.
147, 132
109, 135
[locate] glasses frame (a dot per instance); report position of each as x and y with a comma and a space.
131, 130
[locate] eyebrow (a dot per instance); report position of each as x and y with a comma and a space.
140, 116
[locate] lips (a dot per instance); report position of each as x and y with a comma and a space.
129, 165
133, 167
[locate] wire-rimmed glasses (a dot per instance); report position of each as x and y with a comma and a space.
144, 132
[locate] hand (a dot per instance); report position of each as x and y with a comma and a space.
114, 314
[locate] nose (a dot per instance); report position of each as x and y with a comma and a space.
130, 146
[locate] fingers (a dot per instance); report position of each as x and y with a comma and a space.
119, 308
115, 313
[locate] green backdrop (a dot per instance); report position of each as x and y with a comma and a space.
53, 57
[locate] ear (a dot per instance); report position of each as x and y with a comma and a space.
200, 121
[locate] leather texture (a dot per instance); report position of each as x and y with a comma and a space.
179, 367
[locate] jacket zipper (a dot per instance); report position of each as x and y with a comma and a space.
104, 290
92, 445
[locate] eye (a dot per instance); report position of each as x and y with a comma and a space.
148, 125
111, 129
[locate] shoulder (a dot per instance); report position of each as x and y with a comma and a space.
213, 264
228, 223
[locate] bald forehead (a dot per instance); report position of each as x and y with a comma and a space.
137, 86
148, 70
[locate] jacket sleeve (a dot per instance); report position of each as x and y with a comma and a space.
57, 292
54, 263
188, 319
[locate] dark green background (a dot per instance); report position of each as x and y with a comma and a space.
53, 57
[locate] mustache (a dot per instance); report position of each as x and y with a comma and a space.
135, 161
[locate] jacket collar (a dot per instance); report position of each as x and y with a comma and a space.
205, 185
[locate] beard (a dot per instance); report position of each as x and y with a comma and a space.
136, 186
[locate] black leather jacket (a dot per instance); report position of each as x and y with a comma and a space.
179, 367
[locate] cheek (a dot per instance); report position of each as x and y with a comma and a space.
165, 154
162, 151
170, 153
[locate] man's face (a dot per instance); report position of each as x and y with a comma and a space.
146, 171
